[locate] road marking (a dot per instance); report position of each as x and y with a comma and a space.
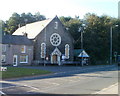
7, 87
18, 84
31, 87
2, 93
55, 84
104, 90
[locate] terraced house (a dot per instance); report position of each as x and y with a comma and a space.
16, 50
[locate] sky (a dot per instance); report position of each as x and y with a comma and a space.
51, 8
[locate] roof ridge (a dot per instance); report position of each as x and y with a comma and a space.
39, 21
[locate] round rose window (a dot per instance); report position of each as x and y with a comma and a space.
55, 39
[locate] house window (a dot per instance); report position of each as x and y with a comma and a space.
67, 47
56, 25
3, 58
23, 49
24, 59
3, 48
43, 50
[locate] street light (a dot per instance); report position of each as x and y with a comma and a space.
111, 29
81, 29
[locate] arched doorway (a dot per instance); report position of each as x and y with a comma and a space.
55, 56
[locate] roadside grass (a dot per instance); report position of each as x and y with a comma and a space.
14, 72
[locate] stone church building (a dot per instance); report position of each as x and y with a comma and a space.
52, 42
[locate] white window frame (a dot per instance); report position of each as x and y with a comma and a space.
15, 63
3, 58
43, 51
26, 59
67, 54
4, 48
24, 47
56, 25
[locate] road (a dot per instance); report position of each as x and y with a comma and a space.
68, 80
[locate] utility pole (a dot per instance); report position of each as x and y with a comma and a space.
82, 39
110, 45
81, 29
82, 47
111, 33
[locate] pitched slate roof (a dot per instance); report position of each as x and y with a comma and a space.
32, 29
16, 40
80, 53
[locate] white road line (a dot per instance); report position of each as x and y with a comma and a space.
105, 90
55, 84
18, 84
2, 93
8, 87
31, 87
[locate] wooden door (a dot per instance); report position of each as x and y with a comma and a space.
54, 58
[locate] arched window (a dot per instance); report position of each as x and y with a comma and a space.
43, 50
67, 48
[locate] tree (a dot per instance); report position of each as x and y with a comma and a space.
73, 25
96, 36
39, 17
12, 23
17, 20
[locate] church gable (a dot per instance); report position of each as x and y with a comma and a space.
58, 42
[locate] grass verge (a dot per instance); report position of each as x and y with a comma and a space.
14, 72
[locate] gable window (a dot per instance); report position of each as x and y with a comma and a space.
23, 49
67, 48
3, 48
56, 25
24, 59
43, 50
3, 58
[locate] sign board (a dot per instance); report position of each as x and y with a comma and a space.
3, 68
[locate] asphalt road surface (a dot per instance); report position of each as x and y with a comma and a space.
65, 80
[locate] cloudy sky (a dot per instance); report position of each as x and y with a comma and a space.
50, 8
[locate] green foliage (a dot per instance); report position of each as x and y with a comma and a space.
2, 28
73, 25
14, 72
96, 37
18, 20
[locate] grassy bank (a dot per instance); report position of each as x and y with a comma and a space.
13, 72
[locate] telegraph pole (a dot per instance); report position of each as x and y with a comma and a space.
111, 45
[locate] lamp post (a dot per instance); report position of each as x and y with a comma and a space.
110, 45
81, 29
111, 33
